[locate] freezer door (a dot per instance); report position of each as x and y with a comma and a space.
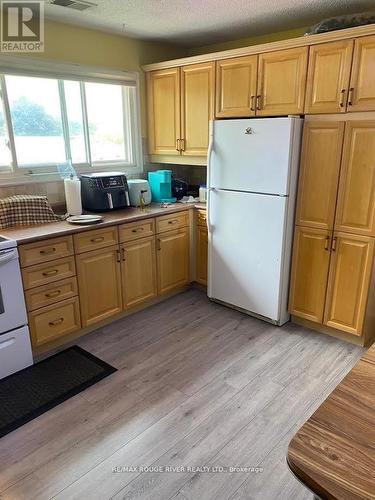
246, 251
253, 155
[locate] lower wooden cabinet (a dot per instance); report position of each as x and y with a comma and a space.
311, 256
349, 280
99, 283
172, 259
330, 278
51, 322
201, 254
138, 271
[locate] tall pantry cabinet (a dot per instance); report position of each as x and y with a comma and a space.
335, 227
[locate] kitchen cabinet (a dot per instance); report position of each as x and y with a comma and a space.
311, 257
99, 283
281, 82
180, 105
328, 77
319, 173
349, 279
236, 86
362, 81
164, 119
173, 269
197, 107
356, 198
138, 271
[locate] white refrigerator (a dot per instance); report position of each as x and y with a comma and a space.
252, 171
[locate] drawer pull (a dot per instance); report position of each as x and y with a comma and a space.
138, 229
175, 221
56, 322
52, 294
47, 251
123, 254
52, 272
97, 240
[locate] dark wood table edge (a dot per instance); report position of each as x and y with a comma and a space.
298, 475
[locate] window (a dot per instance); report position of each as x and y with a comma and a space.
47, 121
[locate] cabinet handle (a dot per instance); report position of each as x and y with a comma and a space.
334, 240
326, 246
252, 108
258, 102
52, 294
97, 240
139, 229
158, 244
173, 221
342, 98
178, 145
47, 251
183, 145
350, 96
52, 272
123, 254
56, 322
118, 255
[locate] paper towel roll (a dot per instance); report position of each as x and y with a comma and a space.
73, 196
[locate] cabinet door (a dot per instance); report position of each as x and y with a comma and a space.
281, 82
99, 283
197, 104
138, 270
348, 284
319, 174
163, 107
236, 86
172, 260
202, 254
356, 200
362, 82
328, 77
311, 255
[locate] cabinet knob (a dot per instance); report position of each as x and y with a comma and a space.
47, 251
56, 322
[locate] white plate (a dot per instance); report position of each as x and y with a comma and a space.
84, 219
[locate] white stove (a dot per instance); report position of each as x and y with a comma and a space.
15, 346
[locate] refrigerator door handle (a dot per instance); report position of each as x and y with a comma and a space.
209, 154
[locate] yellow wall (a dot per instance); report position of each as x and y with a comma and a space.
64, 42
245, 42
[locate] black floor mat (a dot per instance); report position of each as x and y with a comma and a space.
30, 392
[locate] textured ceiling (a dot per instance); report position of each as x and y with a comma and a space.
198, 22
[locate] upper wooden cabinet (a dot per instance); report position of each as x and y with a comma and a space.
319, 173
236, 86
328, 77
197, 107
356, 199
311, 253
362, 82
349, 279
281, 82
163, 95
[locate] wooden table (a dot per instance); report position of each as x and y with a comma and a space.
333, 453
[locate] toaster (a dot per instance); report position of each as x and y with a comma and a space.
104, 191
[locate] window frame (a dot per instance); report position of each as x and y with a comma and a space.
21, 66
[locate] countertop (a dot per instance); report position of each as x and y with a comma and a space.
28, 234
333, 453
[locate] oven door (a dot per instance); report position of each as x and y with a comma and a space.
12, 302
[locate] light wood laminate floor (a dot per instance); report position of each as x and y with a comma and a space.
198, 385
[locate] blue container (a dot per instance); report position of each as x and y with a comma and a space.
161, 186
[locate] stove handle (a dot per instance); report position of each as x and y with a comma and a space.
7, 343
7, 256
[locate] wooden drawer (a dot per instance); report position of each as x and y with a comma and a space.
135, 230
202, 218
46, 250
50, 294
42, 274
54, 321
98, 238
172, 221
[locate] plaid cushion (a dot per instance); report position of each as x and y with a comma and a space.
25, 210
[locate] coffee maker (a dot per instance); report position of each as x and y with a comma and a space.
161, 186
